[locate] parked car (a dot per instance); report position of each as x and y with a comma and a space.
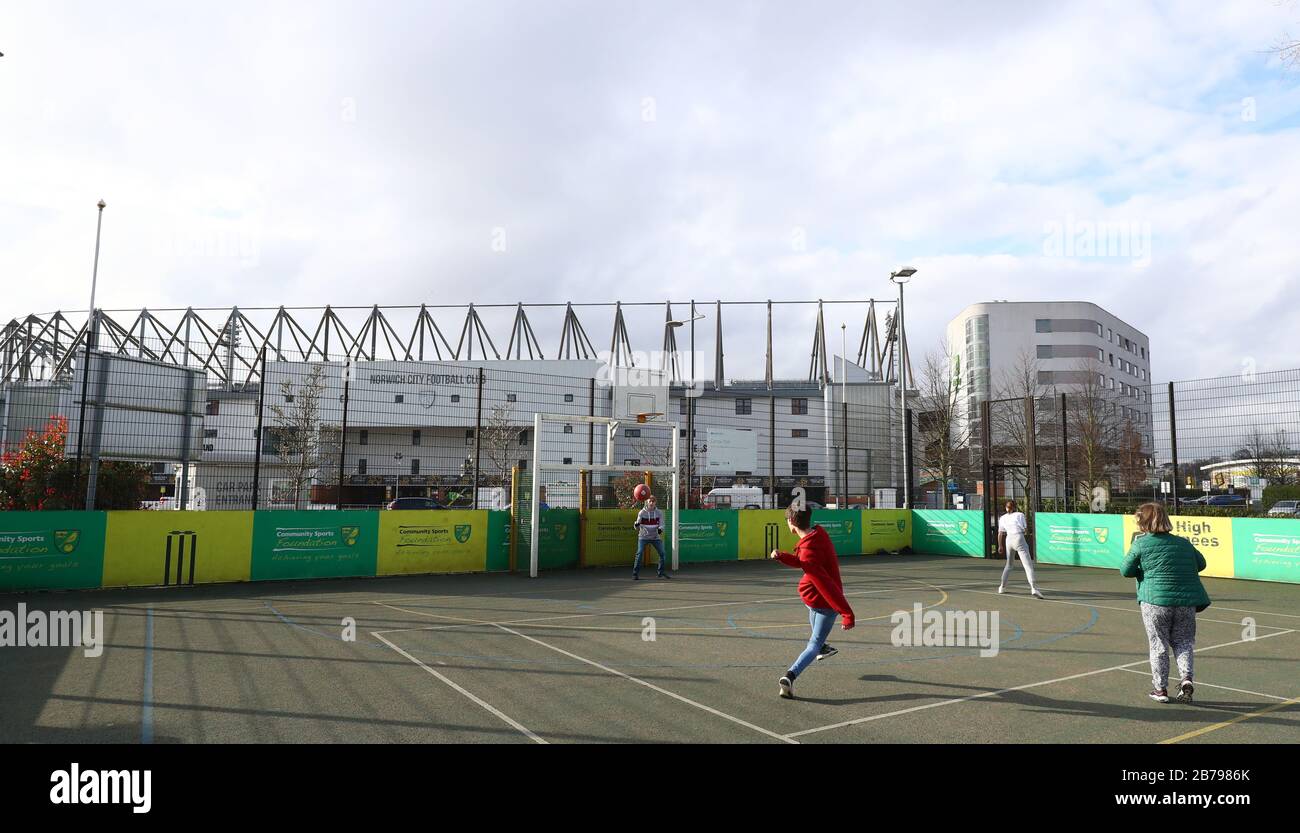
1226, 500
1285, 509
413, 503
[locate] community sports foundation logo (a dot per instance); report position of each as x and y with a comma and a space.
947, 629
53, 629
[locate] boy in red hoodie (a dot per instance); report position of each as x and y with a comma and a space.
820, 588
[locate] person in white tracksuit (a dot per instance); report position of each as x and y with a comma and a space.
1014, 526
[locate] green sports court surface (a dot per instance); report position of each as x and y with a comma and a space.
565, 659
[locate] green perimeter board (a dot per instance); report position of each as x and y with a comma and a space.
1266, 549
1080, 540
611, 539
498, 541
707, 535
325, 543
558, 545
844, 526
948, 532
51, 550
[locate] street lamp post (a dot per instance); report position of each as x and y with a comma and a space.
91, 328
901, 277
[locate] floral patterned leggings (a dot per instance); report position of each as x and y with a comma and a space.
1169, 627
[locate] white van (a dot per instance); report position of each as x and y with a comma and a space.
738, 497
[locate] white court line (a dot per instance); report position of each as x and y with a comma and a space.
768, 600
1008, 690
1198, 684
1260, 612
653, 687
484, 704
1135, 610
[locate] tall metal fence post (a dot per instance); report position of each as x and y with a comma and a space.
1031, 460
771, 450
1065, 459
986, 440
1173, 445
343, 434
844, 435
85, 390
478, 433
257, 448
908, 479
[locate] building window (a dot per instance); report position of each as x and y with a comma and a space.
415, 465
469, 434
568, 429
210, 433
455, 397
214, 407
510, 397
799, 468
636, 432
568, 397
1045, 377
1110, 335
364, 437
798, 406
288, 397
798, 433
1043, 325
415, 437
1144, 352
1044, 351
1101, 355
1100, 334
361, 465
568, 461
398, 398
523, 438
523, 465
631, 462
681, 406
1112, 363
744, 406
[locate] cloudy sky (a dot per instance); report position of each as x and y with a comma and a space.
444, 152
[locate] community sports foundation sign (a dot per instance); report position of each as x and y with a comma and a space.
324, 544
948, 532
1080, 540
434, 541
51, 550
708, 534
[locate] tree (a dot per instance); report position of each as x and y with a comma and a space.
37, 476
303, 443
944, 438
500, 443
1267, 454
1010, 425
1094, 426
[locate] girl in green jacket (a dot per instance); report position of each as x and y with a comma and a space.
1170, 594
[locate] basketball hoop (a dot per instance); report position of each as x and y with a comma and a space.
649, 417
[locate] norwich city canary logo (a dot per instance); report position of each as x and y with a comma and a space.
350, 534
66, 540
965, 525
722, 530
848, 525
561, 530
902, 525
1102, 533
463, 532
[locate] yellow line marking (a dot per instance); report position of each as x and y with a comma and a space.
1260, 713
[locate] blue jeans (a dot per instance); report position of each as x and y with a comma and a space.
641, 544
821, 621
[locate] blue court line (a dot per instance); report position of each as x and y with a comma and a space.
146, 707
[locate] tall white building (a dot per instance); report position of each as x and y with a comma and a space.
1071, 347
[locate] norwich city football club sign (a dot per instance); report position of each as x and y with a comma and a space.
436, 541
